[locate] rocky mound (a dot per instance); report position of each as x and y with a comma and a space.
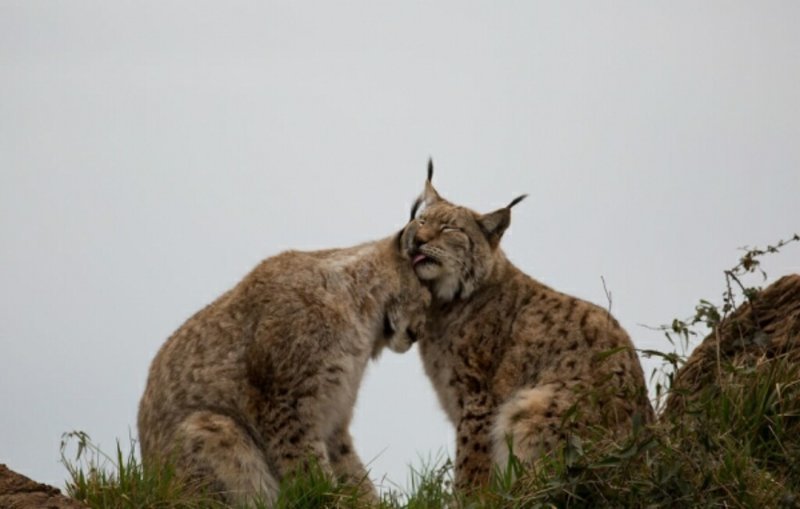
18, 492
766, 328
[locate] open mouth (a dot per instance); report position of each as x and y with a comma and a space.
421, 259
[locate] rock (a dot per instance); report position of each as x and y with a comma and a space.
756, 332
19, 492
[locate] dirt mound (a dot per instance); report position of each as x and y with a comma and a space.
766, 328
18, 492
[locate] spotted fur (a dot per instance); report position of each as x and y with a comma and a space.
265, 378
517, 365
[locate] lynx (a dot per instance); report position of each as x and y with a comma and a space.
265, 378
516, 365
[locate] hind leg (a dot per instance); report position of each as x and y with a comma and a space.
536, 420
217, 452
530, 423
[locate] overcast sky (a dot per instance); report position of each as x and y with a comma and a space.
151, 153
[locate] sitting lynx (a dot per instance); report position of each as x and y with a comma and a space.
266, 376
510, 358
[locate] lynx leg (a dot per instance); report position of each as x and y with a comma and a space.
347, 465
530, 423
294, 439
473, 445
216, 451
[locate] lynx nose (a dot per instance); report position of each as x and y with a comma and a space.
422, 236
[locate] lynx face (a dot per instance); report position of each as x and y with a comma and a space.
448, 249
453, 248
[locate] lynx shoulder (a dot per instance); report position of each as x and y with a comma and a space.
265, 378
515, 363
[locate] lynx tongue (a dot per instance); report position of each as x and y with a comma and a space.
418, 258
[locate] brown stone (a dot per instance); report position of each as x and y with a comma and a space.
19, 492
757, 331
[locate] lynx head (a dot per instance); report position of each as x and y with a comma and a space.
452, 248
404, 313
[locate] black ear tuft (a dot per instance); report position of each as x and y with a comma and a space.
430, 169
415, 208
516, 200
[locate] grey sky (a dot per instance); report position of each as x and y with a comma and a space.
151, 153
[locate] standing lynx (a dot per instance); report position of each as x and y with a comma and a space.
265, 378
514, 362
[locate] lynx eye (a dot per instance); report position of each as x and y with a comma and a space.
446, 228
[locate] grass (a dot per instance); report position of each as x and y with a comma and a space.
120, 481
736, 445
109, 481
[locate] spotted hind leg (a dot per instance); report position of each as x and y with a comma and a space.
219, 454
529, 424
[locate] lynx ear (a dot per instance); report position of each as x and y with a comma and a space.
415, 208
494, 224
429, 196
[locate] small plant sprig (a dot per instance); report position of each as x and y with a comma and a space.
709, 314
749, 263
